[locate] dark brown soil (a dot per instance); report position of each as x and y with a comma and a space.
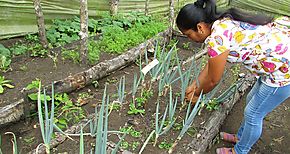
275, 134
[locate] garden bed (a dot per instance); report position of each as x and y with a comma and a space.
56, 67
139, 126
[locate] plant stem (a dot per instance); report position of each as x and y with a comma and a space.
146, 142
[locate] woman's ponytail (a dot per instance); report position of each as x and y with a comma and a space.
205, 11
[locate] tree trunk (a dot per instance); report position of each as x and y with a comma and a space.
114, 7
146, 7
84, 30
171, 14
40, 24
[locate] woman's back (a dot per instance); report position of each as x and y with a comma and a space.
264, 49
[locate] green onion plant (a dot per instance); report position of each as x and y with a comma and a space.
121, 90
190, 115
47, 122
159, 126
14, 143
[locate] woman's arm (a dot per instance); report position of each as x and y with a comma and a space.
209, 76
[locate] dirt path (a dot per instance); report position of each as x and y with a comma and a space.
276, 134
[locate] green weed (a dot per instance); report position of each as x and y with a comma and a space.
4, 83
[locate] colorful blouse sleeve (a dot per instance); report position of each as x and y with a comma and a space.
220, 39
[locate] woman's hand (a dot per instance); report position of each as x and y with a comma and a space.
190, 93
191, 88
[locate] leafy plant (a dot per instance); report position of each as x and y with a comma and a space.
37, 51
5, 58
212, 105
186, 45
165, 145
32, 38
134, 110
71, 55
130, 130
66, 111
19, 49
34, 96
4, 83
4, 63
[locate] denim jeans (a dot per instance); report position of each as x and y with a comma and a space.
261, 100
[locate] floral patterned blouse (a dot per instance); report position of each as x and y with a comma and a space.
264, 49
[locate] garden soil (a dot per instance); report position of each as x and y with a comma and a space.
276, 126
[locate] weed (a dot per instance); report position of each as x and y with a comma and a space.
112, 80
124, 145
66, 111
114, 106
95, 84
146, 94
37, 51
134, 110
71, 55
236, 69
5, 58
31, 38
19, 49
212, 105
186, 45
135, 145
29, 140
23, 68
130, 130
83, 98
4, 83
165, 145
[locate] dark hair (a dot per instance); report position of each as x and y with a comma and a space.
205, 11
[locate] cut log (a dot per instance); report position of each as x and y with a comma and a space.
211, 128
40, 24
84, 30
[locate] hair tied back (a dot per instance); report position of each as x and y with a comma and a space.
199, 3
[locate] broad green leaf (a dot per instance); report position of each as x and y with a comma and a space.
1, 89
8, 85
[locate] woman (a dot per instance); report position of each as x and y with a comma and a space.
261, 44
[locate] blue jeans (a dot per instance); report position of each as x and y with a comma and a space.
261, 100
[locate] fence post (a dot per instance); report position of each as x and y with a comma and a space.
146, 7
84, 30
114, 7
40, 24
171, 15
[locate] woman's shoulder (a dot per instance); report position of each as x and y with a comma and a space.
224, 23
